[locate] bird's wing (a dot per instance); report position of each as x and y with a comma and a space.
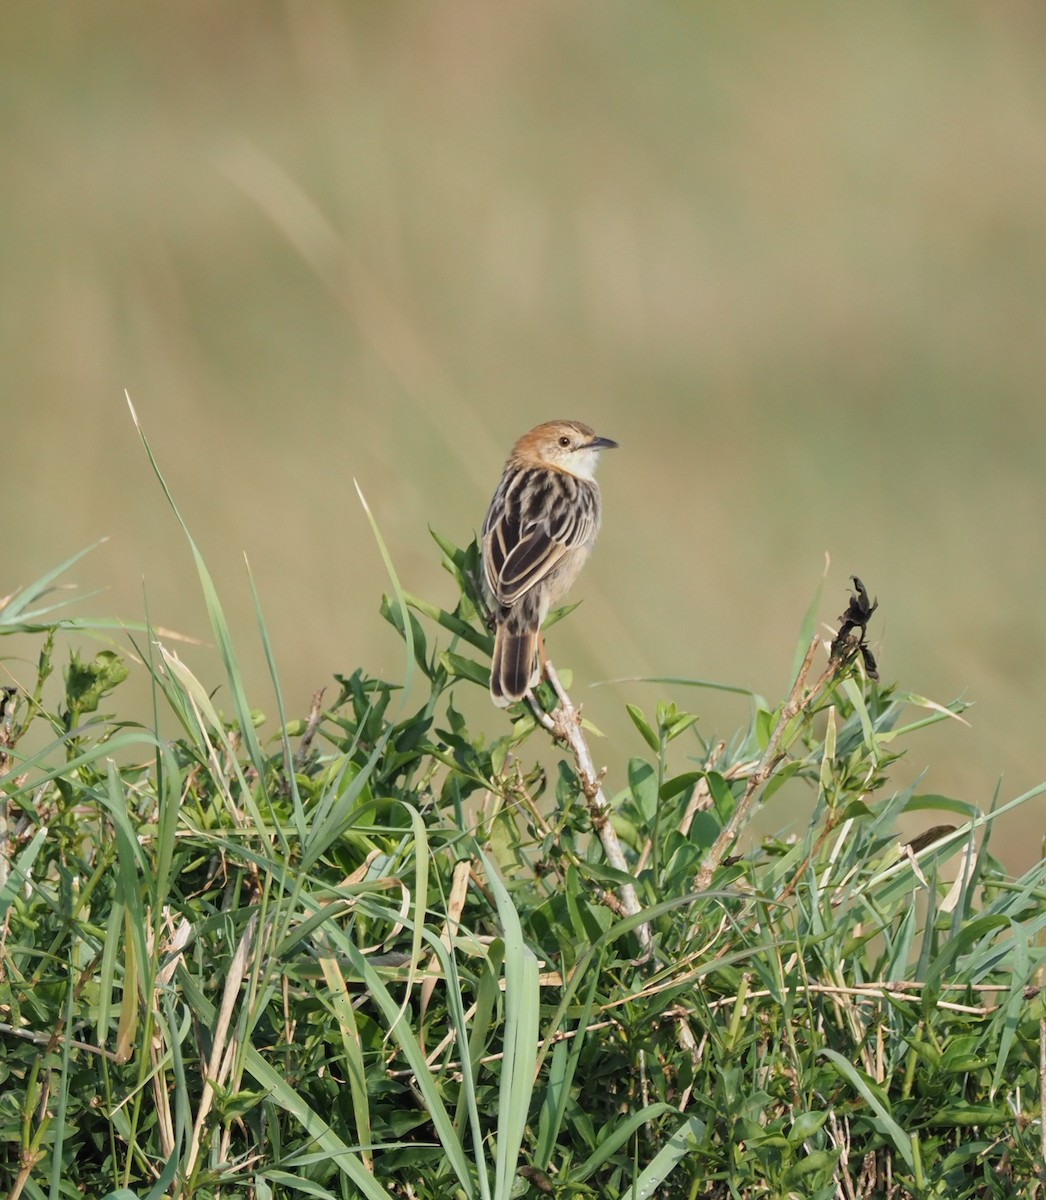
529, 561
521, 548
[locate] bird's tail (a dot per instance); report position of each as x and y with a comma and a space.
514, 666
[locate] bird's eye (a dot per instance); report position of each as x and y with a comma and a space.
564, 441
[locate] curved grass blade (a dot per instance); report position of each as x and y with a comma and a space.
902, 1142
520, 1049
684, 1141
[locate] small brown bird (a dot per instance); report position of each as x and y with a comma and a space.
539, 531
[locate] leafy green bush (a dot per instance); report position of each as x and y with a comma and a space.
371, 954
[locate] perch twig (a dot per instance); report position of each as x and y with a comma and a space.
564, 724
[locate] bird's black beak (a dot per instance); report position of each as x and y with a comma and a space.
601, 443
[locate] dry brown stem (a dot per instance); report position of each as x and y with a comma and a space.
564, 724
799, 698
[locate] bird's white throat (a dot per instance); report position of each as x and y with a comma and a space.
582, 463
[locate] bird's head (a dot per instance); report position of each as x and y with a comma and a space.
569, 446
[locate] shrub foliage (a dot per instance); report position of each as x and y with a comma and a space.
372, 954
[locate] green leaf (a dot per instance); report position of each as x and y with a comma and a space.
458, 667
680, 783
963, 1116
460, 628
935, 803
810, 1164
765, 720
805, 1125
642, 781
680, 725
645, 730
557, 614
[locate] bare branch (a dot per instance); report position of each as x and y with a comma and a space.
564, 724
843, 651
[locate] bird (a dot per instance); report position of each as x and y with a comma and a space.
538, 533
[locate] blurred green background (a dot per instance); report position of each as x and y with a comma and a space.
793, 258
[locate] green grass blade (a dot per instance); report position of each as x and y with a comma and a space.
341, 1002
1013, 1009
808, 626
407, 1041
520, 1049
618, 1137
215, 612
401, 599
563, 1069
277, 691
63, 1094
17, 605
684, 1141
21, 871
873, 1097
283, 1094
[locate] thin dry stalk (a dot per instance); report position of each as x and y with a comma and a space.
219, 1060
772, 756
863, 992
311, 725
53, 1041
455, 907
841, 1137
7, 738
456, 1067
564, 724
799, 699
